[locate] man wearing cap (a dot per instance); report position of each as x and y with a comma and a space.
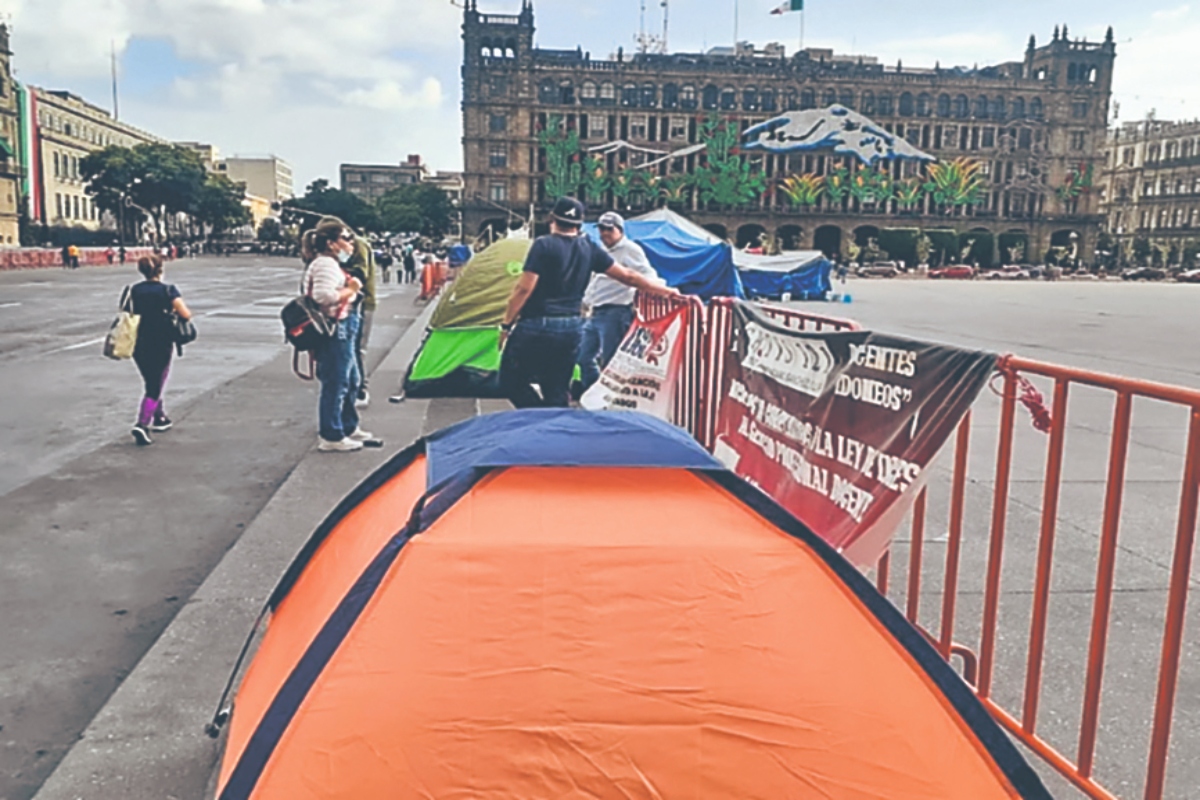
611, 301
543, 324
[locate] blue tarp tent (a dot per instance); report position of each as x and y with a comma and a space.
801, 275
691, 263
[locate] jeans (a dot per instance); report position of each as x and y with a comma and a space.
541, 351
337, 369
602, 335
360, 350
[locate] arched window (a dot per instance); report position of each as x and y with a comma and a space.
981, 107
867, 103
846, 98
687, 97
767, 101
1072, 72
629, 95
608, 94
566, 93
728, 98
943, 105
924, 105
999, 108
750, 99
485, 50
1018, 108
808, 99
828, 97
1035, 108
962, 107
884, 105
547, 91
711, 97
1170, 151
587, 92
670, 96
510, 48
791, 100
649, 95
906, 104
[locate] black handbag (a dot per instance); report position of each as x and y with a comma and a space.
183, 331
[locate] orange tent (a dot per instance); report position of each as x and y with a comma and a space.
557, 604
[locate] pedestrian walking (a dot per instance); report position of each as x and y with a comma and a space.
410, 265
327, 283
110, 254
73, 255
66, 256
154, 301
610, 301
543, 326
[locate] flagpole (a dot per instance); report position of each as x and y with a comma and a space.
735, 26
802, 30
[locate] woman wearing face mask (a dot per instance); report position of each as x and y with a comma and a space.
337, 369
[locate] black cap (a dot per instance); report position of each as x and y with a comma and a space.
568, 211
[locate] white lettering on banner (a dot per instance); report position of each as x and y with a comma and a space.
884, 359
850, 498
872, 392
638, 377
801, 364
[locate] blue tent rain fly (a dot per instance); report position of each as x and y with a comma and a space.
802, 275
686, 260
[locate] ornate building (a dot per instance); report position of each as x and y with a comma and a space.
634, 131
1151, 188
10, 169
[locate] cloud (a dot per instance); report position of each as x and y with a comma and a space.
1155, 68
349, 75
1171, 14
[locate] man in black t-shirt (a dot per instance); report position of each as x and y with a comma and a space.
543, 323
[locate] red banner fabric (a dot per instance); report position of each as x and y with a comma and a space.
839, 427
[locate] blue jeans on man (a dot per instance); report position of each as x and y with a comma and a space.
541, 351
337, 369
602, 335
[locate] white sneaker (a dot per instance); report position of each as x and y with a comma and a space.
360, 435
364, 399
346, 445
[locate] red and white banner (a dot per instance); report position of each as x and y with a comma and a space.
839, 428
643, 373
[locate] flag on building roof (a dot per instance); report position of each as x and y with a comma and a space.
788, 5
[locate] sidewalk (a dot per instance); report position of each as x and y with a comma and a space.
148, 741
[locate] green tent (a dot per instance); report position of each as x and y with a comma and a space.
461, 353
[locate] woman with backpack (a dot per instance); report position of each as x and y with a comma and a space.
329, 285
155, 302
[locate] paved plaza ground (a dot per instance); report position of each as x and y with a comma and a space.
103, 546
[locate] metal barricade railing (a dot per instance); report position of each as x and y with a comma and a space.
980, 669
708, 346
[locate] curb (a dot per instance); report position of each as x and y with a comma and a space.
148, 741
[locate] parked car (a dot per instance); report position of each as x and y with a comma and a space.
1009, 273
962, 272
1190, 276
880, 269
1144, 274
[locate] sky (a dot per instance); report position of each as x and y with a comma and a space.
322, 82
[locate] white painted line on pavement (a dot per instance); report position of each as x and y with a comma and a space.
78, 345
9, 305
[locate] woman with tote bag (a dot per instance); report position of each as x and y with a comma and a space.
156, 303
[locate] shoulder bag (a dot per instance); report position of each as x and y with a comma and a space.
122, 335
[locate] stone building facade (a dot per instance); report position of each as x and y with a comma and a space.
1037, 125
66, 128
1151, 187
10, 164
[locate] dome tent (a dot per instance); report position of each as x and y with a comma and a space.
549, 603
460, 356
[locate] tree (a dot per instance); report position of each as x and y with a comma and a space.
270, 230
725, 178
161, 178
1141, 250
323, 200
416, 208
219, 204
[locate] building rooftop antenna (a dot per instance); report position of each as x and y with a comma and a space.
648, 42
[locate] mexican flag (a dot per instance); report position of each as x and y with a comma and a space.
788, 5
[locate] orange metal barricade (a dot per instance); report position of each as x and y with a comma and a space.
1081, 771
708, 345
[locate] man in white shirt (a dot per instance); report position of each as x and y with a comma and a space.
610, 301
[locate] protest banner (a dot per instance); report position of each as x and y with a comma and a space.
642, 375
839, 428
